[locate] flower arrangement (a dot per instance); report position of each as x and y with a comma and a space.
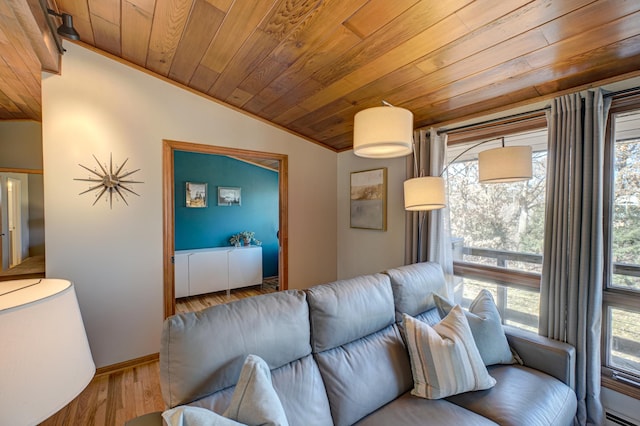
244, 237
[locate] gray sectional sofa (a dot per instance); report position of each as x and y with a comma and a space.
337, 356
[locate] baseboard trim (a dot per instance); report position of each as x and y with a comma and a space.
109, 369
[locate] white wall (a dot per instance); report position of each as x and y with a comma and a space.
364, 251
114, 256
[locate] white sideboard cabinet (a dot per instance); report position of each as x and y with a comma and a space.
215, 269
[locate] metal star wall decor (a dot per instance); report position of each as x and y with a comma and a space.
109, 183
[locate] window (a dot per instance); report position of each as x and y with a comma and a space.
621, 307
497, 233
497, 229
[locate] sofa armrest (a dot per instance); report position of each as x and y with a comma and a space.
556, 358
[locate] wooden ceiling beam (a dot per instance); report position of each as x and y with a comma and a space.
33, 20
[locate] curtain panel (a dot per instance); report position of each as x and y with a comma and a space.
572, 270
428, 234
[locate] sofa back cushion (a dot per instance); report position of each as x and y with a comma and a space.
414, 286
362, 359
203, 352
344, 311
300, 389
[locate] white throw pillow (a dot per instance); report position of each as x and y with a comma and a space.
254, 402
444, 358
486, 327
185, 415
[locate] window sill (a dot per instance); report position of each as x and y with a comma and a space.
620, 387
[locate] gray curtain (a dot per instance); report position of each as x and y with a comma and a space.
572, 270
427, 234
417, 165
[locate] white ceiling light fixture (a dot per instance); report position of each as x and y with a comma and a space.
383, 132
498, 165
424, 193
505, 164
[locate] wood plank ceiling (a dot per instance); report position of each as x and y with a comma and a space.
310, 65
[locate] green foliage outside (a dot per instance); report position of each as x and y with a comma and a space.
626, 210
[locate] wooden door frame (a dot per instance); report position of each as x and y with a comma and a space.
168, 213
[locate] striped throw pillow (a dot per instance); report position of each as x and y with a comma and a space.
444, 358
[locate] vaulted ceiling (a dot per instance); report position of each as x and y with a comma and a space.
310, 65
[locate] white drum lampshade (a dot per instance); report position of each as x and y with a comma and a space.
45, 360
424, 193
505, 164
383, 132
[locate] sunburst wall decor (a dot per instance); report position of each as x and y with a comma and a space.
109, 183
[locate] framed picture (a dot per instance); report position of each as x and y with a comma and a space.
229, 196
369, 199
196, 194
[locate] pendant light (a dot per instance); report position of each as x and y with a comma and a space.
383, 132
497, 165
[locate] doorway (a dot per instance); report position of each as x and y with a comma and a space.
14, 220
169, 148
21, 224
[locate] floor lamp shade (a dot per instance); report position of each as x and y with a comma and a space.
45, 360
383, 132
424, 193
505, 164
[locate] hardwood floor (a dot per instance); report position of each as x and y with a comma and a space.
113, 398
31, 267
197, 303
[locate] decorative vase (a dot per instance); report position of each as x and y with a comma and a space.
247, 242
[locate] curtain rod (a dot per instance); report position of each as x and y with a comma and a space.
621, 92
496, 120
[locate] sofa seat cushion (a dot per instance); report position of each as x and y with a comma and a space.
411, 410
521, 396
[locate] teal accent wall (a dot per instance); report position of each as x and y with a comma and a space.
212, 226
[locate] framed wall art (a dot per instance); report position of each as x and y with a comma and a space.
229, 196
368, 200
196, 194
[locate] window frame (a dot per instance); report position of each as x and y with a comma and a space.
626, 101
615, 297
535, 120
519, 123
